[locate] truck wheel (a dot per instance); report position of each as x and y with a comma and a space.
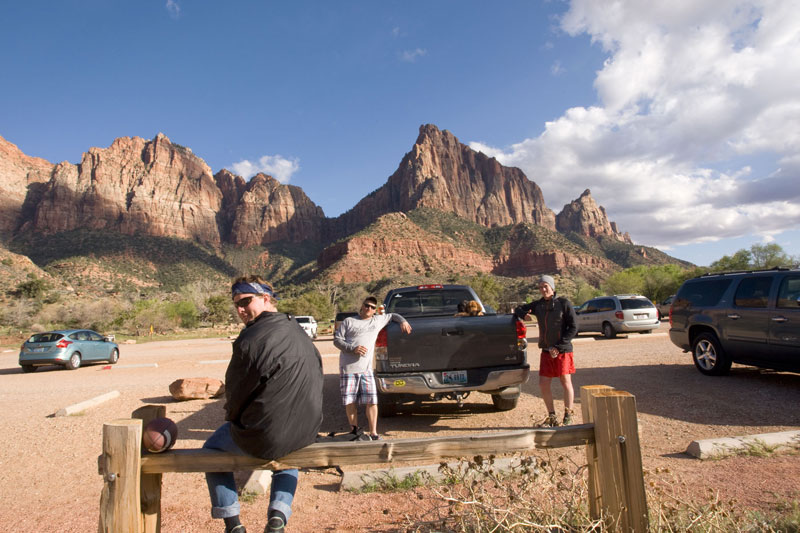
386, 408
504, 404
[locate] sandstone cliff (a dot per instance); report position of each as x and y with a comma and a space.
441, 173
21, 178
585, 217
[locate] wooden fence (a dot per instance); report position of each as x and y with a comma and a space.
130, 501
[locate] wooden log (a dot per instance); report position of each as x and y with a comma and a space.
120, 510
588, 411
150, 496
619, 462
82, 406
373, 452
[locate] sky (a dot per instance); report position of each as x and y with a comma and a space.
681, 117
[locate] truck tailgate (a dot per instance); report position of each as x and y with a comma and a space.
450, 343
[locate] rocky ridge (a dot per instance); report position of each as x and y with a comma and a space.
161, 189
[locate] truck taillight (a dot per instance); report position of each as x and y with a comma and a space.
619, 315
63, 343
427, 287
381, 344
522, 331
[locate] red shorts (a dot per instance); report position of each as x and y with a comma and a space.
553, 367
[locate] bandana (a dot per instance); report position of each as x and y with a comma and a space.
252, 288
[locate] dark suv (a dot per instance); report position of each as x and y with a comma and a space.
751, 317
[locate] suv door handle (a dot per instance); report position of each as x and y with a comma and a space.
779, 319
448, 332
734, 316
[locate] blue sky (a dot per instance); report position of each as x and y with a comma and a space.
683, 119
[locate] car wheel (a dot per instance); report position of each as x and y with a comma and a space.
504, 404
29, 368
708, 355
74, 361
114, 357
608, 331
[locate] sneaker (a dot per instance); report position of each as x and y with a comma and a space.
568, 413
275, 525
549, 422
375, 437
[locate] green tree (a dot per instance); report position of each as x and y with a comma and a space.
628, 281
768, 256
33, 288
659, 282
583, 292
741, 260
218, 309
488, 289
184, 313
311, 303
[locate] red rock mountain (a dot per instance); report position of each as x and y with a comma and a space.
159, 188
441, 173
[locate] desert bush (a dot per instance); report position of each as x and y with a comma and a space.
311, 303
183, 313
218, 309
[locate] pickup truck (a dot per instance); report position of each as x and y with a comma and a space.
448, 356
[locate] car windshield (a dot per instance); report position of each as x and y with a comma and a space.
45, 337
303, 320
635, 303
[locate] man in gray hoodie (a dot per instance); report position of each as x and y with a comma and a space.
355, 337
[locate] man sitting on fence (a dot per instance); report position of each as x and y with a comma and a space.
273, 388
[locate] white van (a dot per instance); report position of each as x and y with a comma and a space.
308, 324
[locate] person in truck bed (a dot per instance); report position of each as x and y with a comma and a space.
557, 327
355, 338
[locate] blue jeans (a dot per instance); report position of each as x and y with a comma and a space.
222, 487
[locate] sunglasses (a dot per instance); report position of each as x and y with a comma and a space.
369, 306
244, 302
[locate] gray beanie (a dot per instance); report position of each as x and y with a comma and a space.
549, 280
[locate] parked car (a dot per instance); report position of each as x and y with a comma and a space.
622, 313
309, 325
750, 317
448, 356
663, 307
68, 348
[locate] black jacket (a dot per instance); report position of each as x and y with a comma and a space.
557, 322
273, 387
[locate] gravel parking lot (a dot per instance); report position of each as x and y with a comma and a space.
48, 465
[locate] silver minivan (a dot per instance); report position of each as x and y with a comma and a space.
621, 313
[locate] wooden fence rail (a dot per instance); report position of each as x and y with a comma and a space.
131, 498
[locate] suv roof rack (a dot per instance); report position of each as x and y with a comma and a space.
753, 271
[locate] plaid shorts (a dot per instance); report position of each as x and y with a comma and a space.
360, 386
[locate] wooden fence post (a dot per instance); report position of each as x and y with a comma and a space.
150, 496
588, 412
619, 461
121, 469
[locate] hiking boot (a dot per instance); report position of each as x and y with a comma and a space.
236, 529
275, 525
549, 422
568, 414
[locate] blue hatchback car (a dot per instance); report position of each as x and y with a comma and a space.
69, 348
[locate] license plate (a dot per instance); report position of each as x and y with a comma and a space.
37, 349
455, 376
641, 315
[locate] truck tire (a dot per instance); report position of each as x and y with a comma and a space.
387, 408
504, 404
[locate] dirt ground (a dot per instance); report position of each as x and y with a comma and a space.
48, 465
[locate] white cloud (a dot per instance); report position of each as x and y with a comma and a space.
173, 8
276, 166
690, 92
410, 56
556, 68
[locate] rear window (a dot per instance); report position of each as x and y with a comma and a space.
635, 303
789, 294
703, 293
45, 337
428, 302
303, 320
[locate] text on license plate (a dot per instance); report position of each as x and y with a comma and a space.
641, 315
454, 376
